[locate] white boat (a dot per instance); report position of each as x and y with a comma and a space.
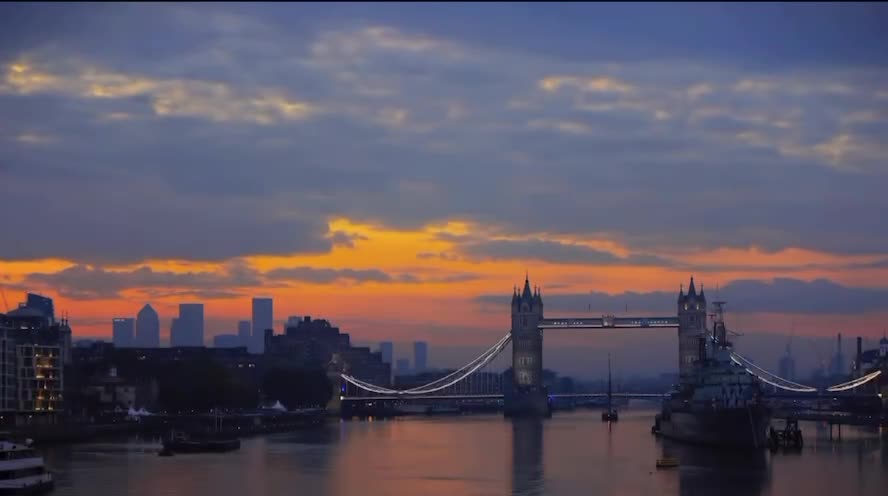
22, 470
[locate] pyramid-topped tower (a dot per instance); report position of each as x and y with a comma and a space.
527, 394
691, 326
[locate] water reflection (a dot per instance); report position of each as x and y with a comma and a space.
572, 453
706, 471
527, 457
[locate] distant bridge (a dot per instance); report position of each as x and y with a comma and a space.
480, 379
497, 396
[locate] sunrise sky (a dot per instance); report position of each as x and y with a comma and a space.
396, 168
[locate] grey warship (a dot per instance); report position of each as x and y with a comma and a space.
717, 402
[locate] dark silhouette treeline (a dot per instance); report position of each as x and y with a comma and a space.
102, 380
202, 385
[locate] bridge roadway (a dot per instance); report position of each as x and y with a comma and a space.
608, 322
498, 396
808, 397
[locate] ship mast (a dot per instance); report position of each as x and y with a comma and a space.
609, 391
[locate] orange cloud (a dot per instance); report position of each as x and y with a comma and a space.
428, 291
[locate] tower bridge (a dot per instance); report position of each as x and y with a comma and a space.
523, 392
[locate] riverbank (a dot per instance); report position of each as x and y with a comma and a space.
70, 433
237, 424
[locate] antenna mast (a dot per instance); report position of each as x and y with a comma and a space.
718, 329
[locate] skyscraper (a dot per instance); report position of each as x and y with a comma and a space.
263, 318
123, 332
403, 366
191, 324
147, 328
243, 333
837, 367
41, 303
386, 349
226, 341
176, 338
786, 365
420, 356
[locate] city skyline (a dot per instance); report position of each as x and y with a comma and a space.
390, 167
444, 248
816, 354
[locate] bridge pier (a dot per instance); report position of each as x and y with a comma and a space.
527, 404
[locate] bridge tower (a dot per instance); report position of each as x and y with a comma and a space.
691, 327
335, 368
527, 396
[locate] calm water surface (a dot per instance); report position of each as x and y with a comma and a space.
571, 453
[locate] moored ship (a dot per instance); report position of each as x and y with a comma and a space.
717, 401
22, 470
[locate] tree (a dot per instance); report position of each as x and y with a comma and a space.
202, 385
297, 388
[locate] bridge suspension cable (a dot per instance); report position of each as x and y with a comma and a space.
491, 353
770, 378
485, 357
464, 371
438, 384
853, 384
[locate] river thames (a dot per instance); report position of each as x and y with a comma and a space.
572, 453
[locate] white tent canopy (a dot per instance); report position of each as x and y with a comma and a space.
141, 412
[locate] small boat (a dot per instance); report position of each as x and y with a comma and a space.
667, 462
181, 442
215, 441
22, 470
790, 437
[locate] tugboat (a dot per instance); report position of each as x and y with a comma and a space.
22, 470
718, 403
609, 415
